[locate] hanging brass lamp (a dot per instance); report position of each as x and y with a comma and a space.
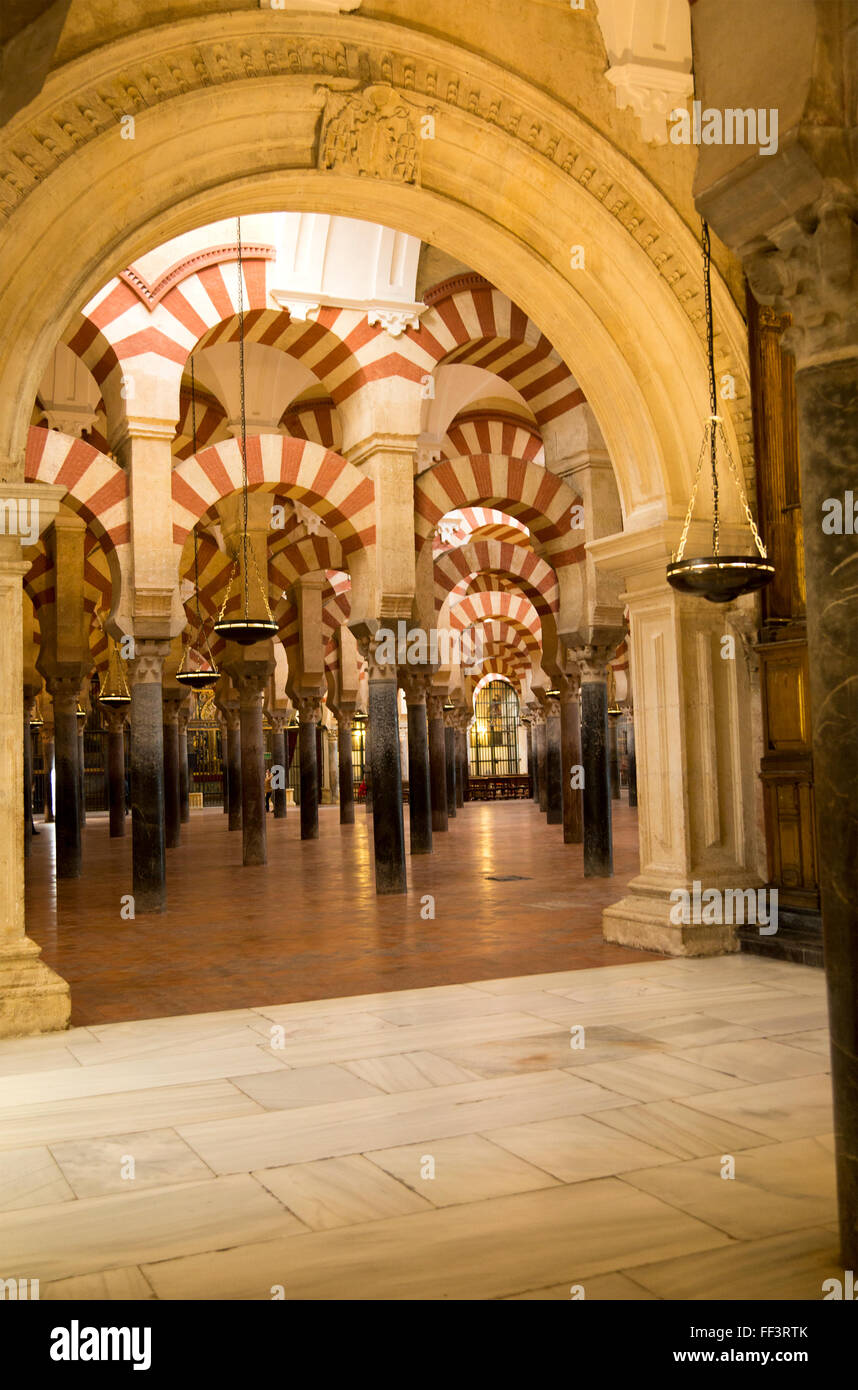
716, 577
198, 677
114, 692
243, 629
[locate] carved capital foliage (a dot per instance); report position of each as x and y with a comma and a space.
370, 649
147, 668
812, 275
593, 662
435, 705
416, 686
344, 722
309, 708
116, 720
64, 692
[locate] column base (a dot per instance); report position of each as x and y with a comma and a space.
642, 919
33, 998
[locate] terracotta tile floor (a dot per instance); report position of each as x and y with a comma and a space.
310, 926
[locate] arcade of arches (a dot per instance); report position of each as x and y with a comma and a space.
393, 334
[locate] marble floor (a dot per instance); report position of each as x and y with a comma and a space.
511, 1138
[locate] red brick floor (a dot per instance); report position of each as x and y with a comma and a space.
309, 925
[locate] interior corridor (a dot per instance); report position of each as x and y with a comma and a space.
309, 924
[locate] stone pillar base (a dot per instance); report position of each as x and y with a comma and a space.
33, 998
642, 919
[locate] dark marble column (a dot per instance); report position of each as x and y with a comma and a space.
233, 755
81, 770
28, 778
116, 770
419, 771
437, 761
553, 767
251, 692
309, 708
48, 764
224, 761
531, 772
461, 757
570, 748
184, 769
148, 850
367, 763
388, 827
278, 760
450, 759
598, 850
172, 794
631, 759
345, 765
828, 438
614, 755
541, 758
68, 835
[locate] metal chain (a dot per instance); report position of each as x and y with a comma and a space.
740, 489
678, 554
243, 414
713, 398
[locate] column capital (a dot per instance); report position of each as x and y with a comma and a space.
378, 669
416, 686
593, 662
116, 719
251, 686
345, 722
147, 666
64, 691
277, 719
812, 275
309, 708
435, 704
552, 709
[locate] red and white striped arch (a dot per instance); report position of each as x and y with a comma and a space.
482, 327
528, 492
491, 433
324, 481
497, 560
486, 605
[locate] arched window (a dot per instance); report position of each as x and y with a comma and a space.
494, 731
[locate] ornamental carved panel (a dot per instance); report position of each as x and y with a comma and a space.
371, 132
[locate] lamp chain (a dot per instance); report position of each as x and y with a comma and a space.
243, 409
713, 399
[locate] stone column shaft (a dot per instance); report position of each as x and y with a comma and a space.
419, 772
346, 769
388, 826
541, 760
148, 849
308, 712
48, 765
278, 759
570, 745
172, 794
598, 846
184, 769
450, 758
68, 834
116, 773
437, 762
553, 764
254, 845
233, 754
